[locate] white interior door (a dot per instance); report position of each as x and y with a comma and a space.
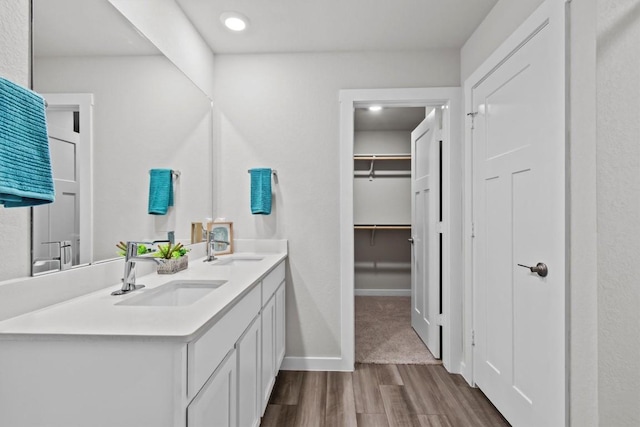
425, 208
518, 142
59, 220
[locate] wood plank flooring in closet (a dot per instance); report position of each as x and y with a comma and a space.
379, 396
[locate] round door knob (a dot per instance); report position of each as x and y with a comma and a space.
540, 269
410, 240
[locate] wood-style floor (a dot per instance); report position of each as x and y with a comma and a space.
378, 396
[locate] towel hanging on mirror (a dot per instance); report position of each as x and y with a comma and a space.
26, 178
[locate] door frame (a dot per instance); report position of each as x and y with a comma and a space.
82, 102
515, 40
452, 290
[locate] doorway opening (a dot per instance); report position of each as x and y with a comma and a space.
363, 215
388, 326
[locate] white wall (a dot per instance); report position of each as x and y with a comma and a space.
583, 293
618, 187
384, 265
146, 115
164, 23
282, 111
15, 227
503, 19
381, 142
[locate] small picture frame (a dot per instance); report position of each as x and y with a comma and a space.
222, 231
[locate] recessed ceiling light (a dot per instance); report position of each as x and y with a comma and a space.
234, 21
375, 108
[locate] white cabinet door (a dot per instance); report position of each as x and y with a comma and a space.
268, 350
281, 328
216, 404
249, 361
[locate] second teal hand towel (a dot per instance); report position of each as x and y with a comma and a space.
260, 191
160, 191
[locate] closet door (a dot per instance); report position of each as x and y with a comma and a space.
425, 209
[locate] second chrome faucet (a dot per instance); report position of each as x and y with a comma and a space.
211, 241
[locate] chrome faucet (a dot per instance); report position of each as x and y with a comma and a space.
131, 257
211, 241
64, 257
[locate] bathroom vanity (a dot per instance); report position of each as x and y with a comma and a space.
197, 348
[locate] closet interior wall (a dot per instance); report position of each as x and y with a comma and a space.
382, 200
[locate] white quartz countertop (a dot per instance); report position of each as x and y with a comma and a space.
98, 315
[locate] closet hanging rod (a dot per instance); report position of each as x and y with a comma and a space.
382, 227
382, 173
378, 155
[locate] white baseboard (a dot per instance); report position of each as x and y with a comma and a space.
382, 292
314, 364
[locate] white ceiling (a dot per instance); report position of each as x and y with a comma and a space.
338, 25
95, 27
389, 118
84, 27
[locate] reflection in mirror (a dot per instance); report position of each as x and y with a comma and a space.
117, 108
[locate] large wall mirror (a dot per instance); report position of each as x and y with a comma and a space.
117, 108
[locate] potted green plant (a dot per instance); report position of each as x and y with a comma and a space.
175, 256
122, 249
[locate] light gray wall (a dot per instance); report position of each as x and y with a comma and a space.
503, 19
166, 26
282, 111
384, 265
15, 227
618, 187
583, 293
384, 199
147, 114
382, 142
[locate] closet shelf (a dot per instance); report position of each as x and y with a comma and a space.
373, 157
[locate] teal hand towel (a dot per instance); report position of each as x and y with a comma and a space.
260, 191
25, 163
160, 191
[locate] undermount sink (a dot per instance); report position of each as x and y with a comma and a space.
175, 294
237, 260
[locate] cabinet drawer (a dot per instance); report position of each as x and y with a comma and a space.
206, 353
271, 282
